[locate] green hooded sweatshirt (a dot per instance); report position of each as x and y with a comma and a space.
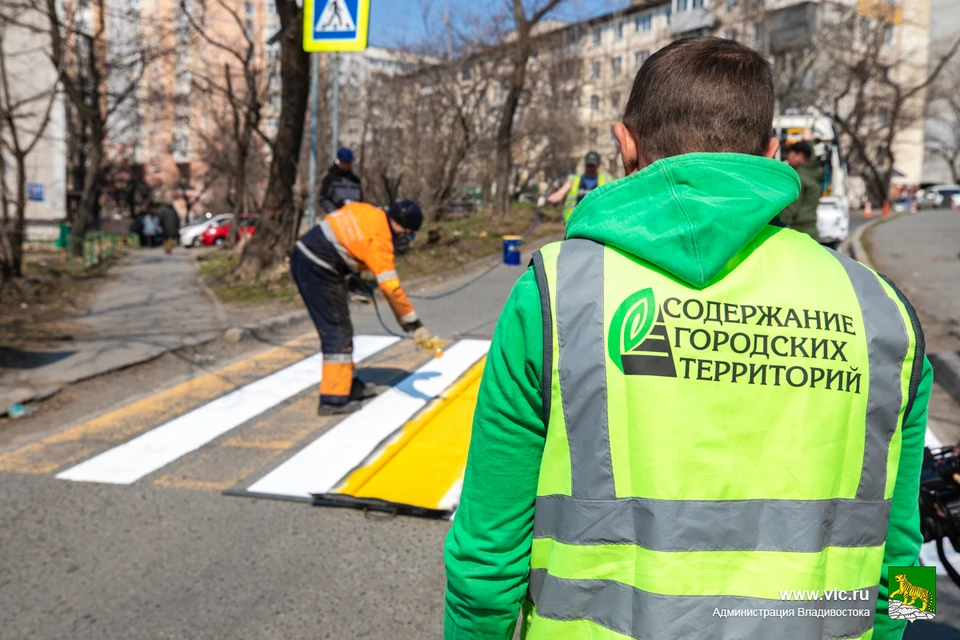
802, 213
688, 215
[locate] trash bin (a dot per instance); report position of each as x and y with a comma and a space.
64, 235
511, 250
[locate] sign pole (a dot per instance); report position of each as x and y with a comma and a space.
314, 116
335, 119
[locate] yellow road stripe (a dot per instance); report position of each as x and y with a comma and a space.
429, 457
60, 449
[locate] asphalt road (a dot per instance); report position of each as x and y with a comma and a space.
149, 560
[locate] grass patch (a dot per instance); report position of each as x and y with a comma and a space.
39, 307
460, 240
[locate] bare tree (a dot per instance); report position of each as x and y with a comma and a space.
234, 95
99, 82
24, 116
944, 119
520, 47
872, 90
276, 232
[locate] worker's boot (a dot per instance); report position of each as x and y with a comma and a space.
338, 409
360, 390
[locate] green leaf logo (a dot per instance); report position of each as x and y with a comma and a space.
631, 325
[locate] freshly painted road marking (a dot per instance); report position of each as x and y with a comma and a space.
60, 449
327, 460
424, 466
159, 447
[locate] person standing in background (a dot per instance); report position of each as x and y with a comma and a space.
801, 215
170, 226
341, 185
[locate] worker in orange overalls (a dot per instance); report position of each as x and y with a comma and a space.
357, 237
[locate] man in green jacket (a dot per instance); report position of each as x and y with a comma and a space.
801, 215
676, 427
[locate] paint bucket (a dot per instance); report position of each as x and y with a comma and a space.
511, 250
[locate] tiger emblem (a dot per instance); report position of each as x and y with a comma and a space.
911, 593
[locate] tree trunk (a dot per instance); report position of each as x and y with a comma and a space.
276, 231
504, 161
86, 210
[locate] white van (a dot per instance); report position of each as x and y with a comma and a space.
833, 214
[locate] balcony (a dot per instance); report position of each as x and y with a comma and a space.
692, 20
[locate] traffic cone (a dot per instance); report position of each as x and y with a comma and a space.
886, 208
868, 210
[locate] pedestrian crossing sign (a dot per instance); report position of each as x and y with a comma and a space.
335, 25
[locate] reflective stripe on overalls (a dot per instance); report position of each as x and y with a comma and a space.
708, 449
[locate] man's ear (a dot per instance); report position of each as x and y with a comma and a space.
772, 147
629, 148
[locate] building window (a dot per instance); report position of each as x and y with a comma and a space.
271, 9
640, 57
595, 70
888, 34
730, 34
620, 31
594, 104
682, 5
697, 4
732, 4
597, 34
617, 65
249, 9
572, 36
758, 36
667, 13
592, 137
644, 23
615, 99
466, 73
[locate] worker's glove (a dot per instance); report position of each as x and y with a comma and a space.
423, 339
541, 202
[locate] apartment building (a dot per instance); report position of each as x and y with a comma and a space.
613, 46
31, 75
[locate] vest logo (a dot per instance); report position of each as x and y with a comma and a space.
915, 596
637, 340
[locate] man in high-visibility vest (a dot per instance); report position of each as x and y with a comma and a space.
577, 187
357, 237
693, 421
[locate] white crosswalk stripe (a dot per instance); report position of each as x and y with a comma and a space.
159, 447
320, 466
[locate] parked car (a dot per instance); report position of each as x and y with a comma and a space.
219, 233
937, 196
191, 235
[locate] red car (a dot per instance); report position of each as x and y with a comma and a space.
220, 232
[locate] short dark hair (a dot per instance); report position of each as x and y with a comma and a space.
701, 94
802, 147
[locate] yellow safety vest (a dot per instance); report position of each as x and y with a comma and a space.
574, 196
708, 449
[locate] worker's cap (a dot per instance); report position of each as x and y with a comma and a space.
407, 214
345, 155
802, 147
593, 158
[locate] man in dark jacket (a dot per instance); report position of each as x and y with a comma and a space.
802, 214
170, 226
341, 185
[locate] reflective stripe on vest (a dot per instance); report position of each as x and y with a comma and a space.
624, 560
573, 196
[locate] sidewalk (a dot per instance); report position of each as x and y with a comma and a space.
152, 305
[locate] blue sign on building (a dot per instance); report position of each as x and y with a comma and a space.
35, 191
335, 25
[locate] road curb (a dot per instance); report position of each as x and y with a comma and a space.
946, 372
248, 331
